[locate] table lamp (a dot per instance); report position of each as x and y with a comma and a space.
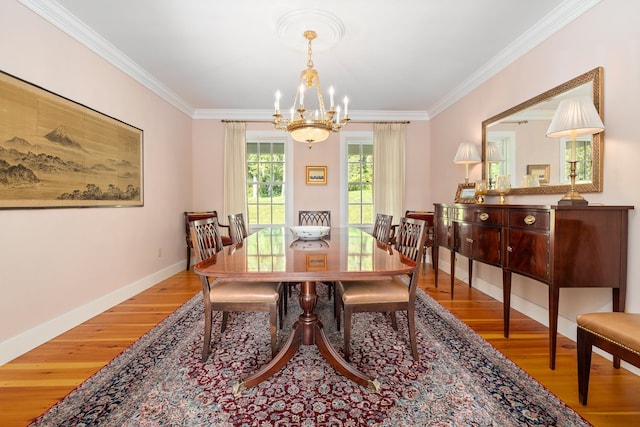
574, 116
466, 155
494, 155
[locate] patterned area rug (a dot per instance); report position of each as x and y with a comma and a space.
460, 380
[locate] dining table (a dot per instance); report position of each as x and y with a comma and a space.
275, 254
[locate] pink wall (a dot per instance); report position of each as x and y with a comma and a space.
60, 266
606, 36
209, 148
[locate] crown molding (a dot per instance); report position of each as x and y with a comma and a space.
53, 12
558, 18
563, 14
355, 115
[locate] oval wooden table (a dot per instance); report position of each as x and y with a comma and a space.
273, 254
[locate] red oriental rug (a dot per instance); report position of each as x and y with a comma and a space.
459, 380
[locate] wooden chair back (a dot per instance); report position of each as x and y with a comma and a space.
314, 218
410, 239
206, 238
237, 227
428, 217
195, 216
382, 227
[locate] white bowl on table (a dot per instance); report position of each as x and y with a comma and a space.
310, 232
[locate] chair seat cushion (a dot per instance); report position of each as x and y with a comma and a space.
244, 292
374, 291
226, 240
621, 328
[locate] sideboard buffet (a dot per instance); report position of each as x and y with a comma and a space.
560, 246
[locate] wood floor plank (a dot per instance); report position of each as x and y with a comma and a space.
33, 382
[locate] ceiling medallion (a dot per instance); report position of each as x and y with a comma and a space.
291, 25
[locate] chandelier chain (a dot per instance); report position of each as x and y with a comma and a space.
310, 35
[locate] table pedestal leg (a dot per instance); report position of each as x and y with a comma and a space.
308, 331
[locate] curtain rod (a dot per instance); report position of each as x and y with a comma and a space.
269, 121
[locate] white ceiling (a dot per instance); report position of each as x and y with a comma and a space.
394, 59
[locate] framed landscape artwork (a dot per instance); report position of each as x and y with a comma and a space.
316, 175
56, 153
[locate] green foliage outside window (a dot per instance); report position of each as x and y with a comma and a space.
265, 182
583, 158
360, 183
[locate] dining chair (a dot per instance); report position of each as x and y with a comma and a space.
194, 216
388, 296
312, 218
237, 227
428, 217
228, 295
382, 227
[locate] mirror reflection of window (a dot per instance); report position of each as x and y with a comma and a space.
502, 161
583, 157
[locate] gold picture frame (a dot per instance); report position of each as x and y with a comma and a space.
316, 175
539, 171
316, 262
57, 153
466, 193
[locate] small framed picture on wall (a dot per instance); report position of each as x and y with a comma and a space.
316, 175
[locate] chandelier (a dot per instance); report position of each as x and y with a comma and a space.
310, 126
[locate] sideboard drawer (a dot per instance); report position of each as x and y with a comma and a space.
528, 218
487, 216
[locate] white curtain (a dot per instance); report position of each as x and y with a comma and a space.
389, 169
235, 170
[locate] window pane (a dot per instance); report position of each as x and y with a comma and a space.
367, 193
354, 214
367, 214
265, 176
253, 214
355, 195
360, 180
354, 152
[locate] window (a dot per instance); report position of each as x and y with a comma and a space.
266, 179
359, 183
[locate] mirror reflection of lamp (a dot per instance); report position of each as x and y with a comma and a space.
494, 155
574, 116
466, 155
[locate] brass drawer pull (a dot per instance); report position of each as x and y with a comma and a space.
509, 249
484, 216
529, 219
469, 240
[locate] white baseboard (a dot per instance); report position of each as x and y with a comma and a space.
566, 327
28, 340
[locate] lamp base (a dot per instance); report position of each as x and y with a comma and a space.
573, 198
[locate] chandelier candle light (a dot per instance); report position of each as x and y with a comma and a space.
310, 126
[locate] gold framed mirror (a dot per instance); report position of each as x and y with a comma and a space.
514, 142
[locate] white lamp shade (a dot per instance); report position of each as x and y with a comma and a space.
493, 153
467, 154
577, 115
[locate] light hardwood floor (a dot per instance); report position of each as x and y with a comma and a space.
30, 384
